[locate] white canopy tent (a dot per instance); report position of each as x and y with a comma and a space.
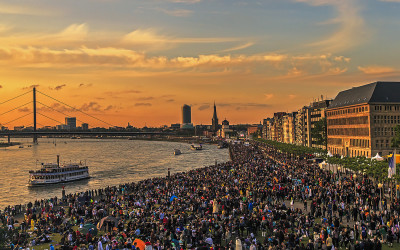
377, 157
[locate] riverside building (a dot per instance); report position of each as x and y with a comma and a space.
361, 120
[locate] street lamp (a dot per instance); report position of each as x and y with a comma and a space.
380, 185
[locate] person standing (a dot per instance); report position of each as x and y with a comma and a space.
99, 245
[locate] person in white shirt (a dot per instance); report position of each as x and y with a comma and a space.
99, 245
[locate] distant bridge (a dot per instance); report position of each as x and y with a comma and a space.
37, 134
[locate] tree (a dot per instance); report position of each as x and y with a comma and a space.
396, 138
319, 133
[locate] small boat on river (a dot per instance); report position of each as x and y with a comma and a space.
177, 152
196, 147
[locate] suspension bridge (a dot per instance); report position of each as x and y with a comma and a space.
33, 126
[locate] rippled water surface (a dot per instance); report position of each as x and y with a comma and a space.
110, 162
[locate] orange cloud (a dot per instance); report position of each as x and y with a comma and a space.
268, 96
376, 70
125, 59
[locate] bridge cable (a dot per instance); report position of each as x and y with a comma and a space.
58, 111
15, 97
18, 118
16, 108
75, 108
49, 117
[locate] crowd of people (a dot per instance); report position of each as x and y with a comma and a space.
261, 199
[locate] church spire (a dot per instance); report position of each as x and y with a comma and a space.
215, 112
215, 125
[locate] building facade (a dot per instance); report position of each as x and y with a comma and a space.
85, 126
266, 129
289, 131
225, 131
361, 120
277, 128
186, 117
70, 122
315, 113
300, 124
186, 114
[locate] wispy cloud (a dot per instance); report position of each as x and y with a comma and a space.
268, 96
109, 107
85, 85
71, 36
58, 87
24, 110
144, 104
86, 107
118, 94
351, 30
371, 70
204, 107
151, 39
91, 106
239, 47
146, 98
177, 12
244, 105
25, 10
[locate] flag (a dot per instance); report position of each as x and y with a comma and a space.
392, 165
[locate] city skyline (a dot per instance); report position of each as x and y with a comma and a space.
139, 62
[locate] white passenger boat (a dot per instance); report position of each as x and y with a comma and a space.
52, 173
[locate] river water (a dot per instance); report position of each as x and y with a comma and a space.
110, 161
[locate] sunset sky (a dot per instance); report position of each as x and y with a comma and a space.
140, 61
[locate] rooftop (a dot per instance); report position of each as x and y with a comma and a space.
376, 92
